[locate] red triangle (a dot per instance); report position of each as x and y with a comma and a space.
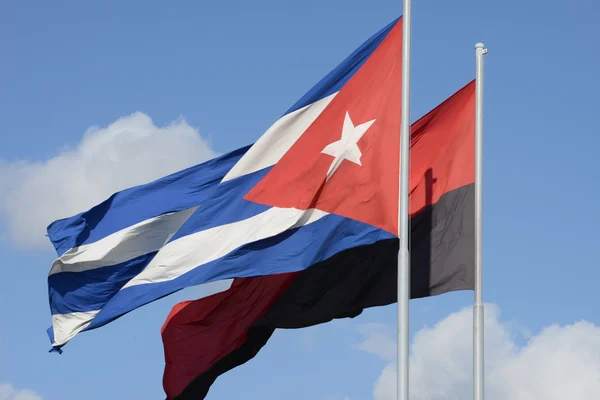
366, 192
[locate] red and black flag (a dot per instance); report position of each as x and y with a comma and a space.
205, 338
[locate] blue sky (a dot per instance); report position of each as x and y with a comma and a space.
224, 71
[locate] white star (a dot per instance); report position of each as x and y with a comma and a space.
346, 148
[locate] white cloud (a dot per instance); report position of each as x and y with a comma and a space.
8, 392
560, 362
128, 152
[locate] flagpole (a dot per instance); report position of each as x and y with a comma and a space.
480, 51
403, 221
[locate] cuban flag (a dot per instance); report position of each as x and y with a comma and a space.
319, 184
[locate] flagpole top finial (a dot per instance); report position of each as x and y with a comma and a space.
479, 45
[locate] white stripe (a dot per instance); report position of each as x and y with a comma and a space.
134, 241
190, 251
278, 139
66, 326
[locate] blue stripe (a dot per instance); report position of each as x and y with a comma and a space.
341, 74
290, 251
175, 192
91, 290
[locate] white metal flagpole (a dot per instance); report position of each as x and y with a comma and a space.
403, 221
480, 51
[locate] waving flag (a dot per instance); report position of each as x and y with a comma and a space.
218, 221
323, 180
